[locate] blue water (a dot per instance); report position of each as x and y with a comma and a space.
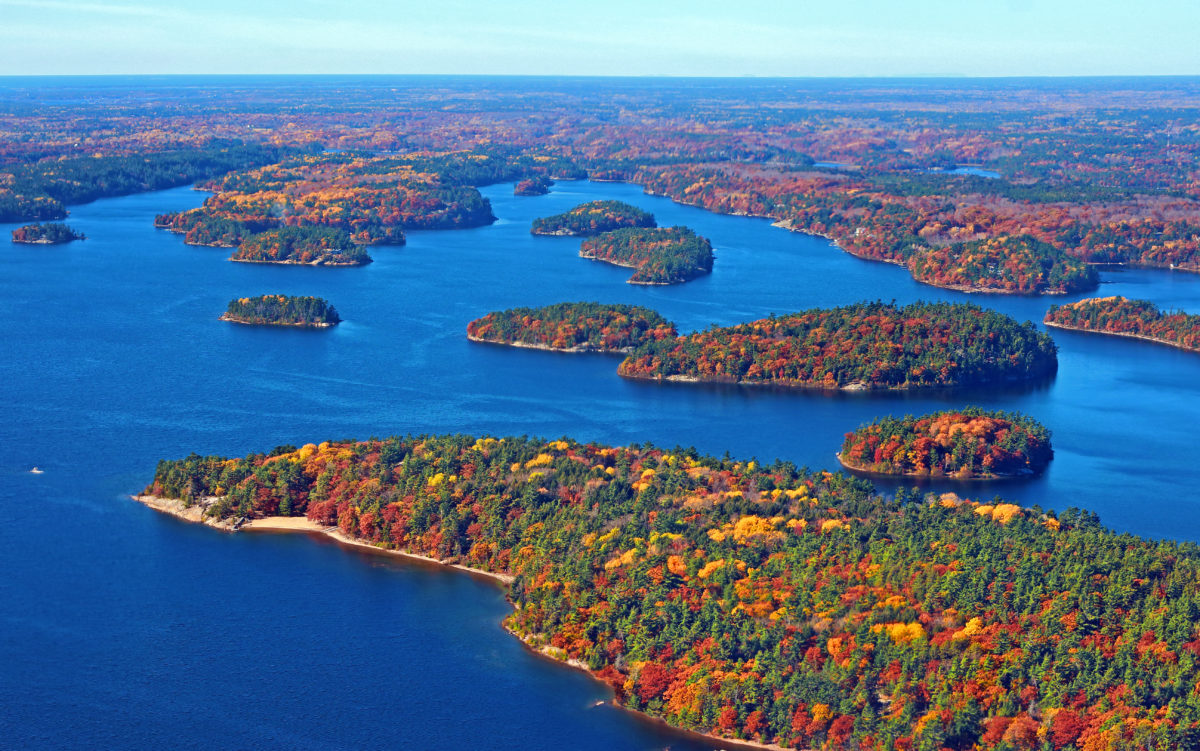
961, 170
976, 171
121, 627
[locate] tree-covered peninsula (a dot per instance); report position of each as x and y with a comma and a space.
660, 255
41, 190
965, 444
49, 233
313, 246
863, 346
770, 603
282, 310
592, 218
1119, 316
573, 327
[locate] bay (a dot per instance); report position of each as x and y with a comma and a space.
124, 628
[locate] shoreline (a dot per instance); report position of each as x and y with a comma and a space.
195, 514
856, 387
578, 349
45, 242
915, 476
1143, 337
304, 325
318, 262
638, 267
552, 653
291, 524
784, 223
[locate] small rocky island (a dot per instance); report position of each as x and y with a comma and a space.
573, 327
965, 444
282, 310
49, 233
311, 246
660, 255
538, 185
592, 218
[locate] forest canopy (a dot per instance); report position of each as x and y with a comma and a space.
966, 444
770, 603
42, 190
863, 346
315, 246
1124, 317
661, 255
592, 218
576, 327
374, 199
48, 233
533, 186
282, 310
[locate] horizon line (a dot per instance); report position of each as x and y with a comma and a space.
739, 77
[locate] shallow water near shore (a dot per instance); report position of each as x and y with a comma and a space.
121, 627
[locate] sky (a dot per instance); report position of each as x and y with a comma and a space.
603, 37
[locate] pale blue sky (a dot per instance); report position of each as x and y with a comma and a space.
605, 37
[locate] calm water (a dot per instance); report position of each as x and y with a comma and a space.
120, 627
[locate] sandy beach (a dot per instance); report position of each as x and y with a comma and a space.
195, 513
269, 524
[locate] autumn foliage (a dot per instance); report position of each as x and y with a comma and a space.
49, 233
592, 218
538, 185
589, 327
314, 246
967, 444
1123, 317
661, 255
867, 345
374, 199
772, 604
286, 310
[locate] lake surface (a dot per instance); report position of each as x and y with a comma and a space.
124, 628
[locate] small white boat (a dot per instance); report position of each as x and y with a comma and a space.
35, 471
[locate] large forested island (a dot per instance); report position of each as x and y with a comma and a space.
1123, 317
863, 346
765, 603
48, 233
966, 444
592, 218
573, 327
282, 310
661, 255
373, 198
313, 246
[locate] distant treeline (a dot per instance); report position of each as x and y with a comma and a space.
42, 190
